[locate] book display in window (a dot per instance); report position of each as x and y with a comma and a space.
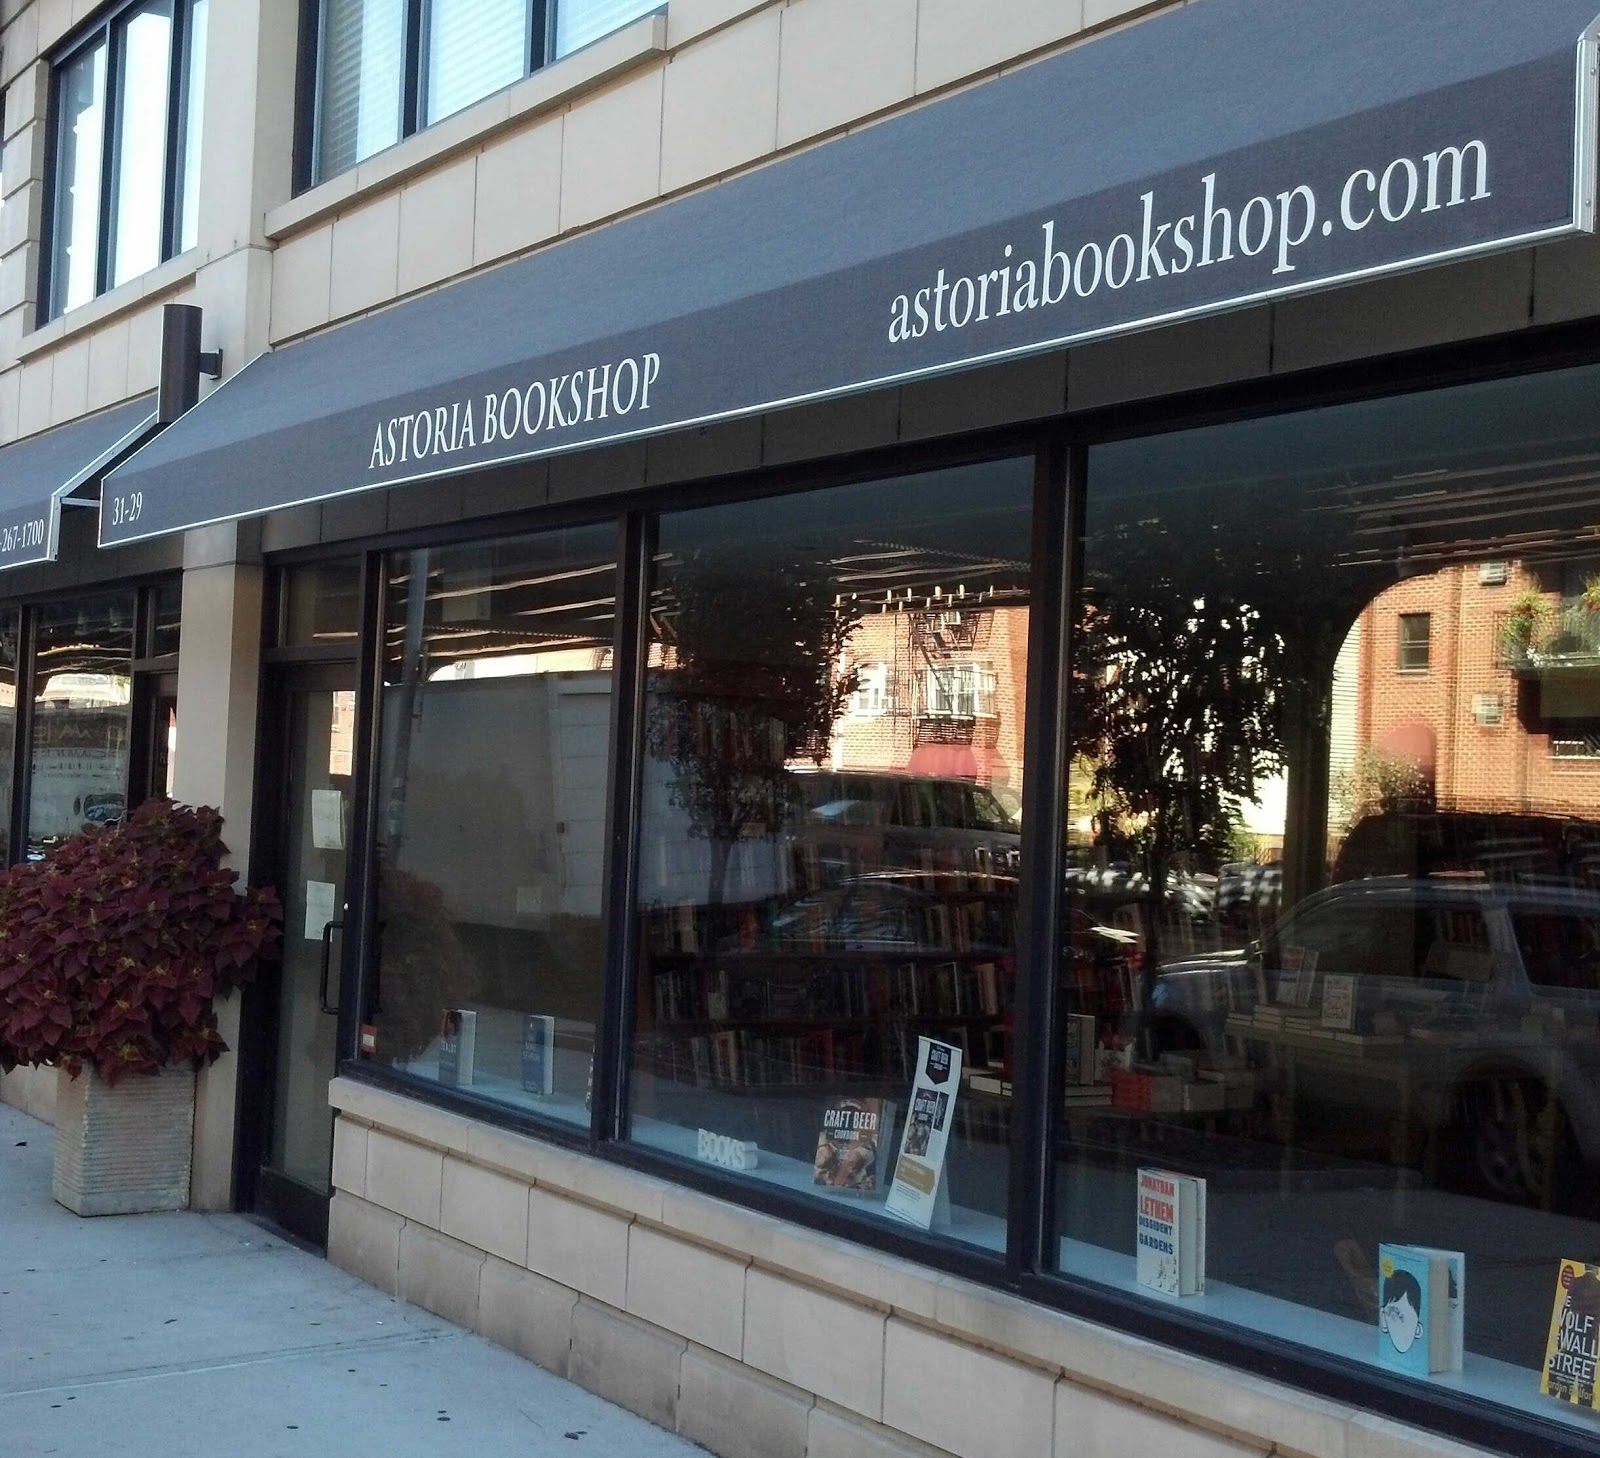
1171, 1233
853, 1145
1572, 1353
1421, 1306
458, 1040
918, 1193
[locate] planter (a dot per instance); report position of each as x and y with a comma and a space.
124, 1150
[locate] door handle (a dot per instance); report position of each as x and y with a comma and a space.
327, 952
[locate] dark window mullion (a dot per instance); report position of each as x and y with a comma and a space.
415, 59
538, 36
177, 132
110, 141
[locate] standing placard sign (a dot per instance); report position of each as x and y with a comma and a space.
918, 1192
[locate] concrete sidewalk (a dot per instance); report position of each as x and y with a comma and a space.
166, 1336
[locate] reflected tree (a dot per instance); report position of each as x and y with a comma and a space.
749, 682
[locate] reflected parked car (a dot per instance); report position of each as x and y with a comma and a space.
1474, 1016
855, 820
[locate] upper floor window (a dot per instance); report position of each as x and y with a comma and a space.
1416, 634
125, 154
387, 68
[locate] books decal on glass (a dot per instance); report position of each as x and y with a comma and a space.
1170, 1238
538, 1054
458, 1039
1421, 1308
1573, 1351
853, 1145
917, 1192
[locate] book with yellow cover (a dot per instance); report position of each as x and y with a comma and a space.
1573, 1351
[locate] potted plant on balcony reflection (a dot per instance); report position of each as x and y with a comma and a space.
1527, 622
112, 955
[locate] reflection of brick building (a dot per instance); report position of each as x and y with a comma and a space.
939, 693
1493, 727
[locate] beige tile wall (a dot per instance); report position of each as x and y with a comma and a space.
755, 1337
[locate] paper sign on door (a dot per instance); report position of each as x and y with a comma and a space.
327, 820
321, 907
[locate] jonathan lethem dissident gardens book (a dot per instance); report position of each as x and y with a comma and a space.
1421, 1308
1573, 1350
1171, 1233
853, 1145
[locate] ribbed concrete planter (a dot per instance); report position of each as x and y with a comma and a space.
124, 1150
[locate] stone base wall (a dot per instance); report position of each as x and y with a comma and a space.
33, 1090
761, 1339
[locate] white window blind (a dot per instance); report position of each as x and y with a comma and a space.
580, 21
474, 47
194, 89
82, 100
363, 64
146, 68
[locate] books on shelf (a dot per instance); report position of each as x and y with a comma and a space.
458, 1039
1572, 1353
1170, 1235
1339, 1002
853, 1145
1297, 977
1080, 1059
1146, 1091
1421, 1308
538, 1054
1087, 1095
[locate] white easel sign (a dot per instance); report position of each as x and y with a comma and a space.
917, 1193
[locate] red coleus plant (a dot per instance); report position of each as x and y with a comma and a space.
114, 949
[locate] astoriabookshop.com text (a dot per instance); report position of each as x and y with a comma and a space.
1212, 234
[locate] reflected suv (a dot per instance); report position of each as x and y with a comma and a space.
1475, 1021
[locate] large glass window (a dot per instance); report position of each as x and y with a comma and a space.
491, 839
125, 166
380, 78
1335, 929
82, 716
827, 877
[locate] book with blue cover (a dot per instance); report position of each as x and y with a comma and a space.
1421, 1309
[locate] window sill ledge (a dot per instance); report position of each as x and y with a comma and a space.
162, 279
545, 90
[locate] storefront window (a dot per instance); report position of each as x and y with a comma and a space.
9, 629
827, 878
491, 839
1335, 929
82, 706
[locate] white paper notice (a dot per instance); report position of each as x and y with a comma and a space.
917, 1193
320, 907
327, 820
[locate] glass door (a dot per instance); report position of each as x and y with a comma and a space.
314, 709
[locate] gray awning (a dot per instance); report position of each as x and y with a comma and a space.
1218, 154
41, 474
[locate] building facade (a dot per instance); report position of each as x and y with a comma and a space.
918, 676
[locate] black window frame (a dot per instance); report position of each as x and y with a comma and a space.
538, 46
1408, 658
106, 32
1061, 447
152, 677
